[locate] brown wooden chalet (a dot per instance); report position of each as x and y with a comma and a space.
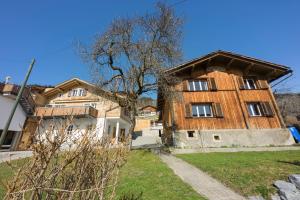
226, 100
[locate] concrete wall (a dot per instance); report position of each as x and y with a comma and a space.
19, 118
234, 138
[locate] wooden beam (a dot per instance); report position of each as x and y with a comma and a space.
247, 69
271, 73
229, 63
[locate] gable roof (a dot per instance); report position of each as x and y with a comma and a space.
147, 107
281, 69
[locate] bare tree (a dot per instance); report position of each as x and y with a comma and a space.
68, 165
130, 58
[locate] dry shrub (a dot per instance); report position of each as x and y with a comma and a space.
65, 166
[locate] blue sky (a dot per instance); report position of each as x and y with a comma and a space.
45, 30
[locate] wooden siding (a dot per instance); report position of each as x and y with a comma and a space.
232, 101
66, 111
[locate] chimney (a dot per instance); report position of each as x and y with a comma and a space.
7, 79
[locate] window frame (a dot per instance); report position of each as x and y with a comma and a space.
247, 85
197, 105
70, 129
251, 109
200, 85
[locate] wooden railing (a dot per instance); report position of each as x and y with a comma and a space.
26, 101
78, 111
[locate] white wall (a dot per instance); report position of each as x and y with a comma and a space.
79, 127
19, 118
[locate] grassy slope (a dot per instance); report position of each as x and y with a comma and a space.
144, 172
248, 172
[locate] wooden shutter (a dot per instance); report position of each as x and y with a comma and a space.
241, 82
267, 109
218, 110
185, 85
213, 85
188, 112
262, 84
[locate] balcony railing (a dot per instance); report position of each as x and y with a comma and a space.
26, 100
76, 111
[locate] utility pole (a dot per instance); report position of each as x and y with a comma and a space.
4, 132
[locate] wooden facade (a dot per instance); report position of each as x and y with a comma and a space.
224, 73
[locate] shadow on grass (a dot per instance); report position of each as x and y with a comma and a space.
295, 162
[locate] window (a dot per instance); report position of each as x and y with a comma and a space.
249, 84
79, 92
191, 133
198, 85
70, 129
60, 95
254, 109
202, 110
217, 138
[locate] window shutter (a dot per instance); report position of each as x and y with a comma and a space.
69, 93
185, 85
267, 109
218, 110
263, 84
84, 92
188, 112
213, 85
241, 83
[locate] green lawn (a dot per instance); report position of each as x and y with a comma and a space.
248, 173
143, 173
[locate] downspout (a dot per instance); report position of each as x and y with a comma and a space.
290, 72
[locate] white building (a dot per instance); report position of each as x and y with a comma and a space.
82, 101
8, 93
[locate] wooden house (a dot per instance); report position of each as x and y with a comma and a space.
225, 100
86, 104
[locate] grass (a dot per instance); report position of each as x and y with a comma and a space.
249, 173
144, 174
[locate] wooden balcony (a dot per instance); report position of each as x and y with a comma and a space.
78, 111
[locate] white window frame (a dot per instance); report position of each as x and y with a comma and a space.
198, 81
78, 92
204, 109
251, 111
247, 84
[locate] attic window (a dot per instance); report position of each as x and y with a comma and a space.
78, 92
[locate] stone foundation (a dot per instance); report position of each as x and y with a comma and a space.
233, 138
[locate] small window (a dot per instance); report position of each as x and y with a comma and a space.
191, 134
198, 85
217, 138
70, 129
159, 133
60, 95
254, 109
202, 110
249, 84
79, 92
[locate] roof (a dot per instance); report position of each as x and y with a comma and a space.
281, 68
147, 106
66, 85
